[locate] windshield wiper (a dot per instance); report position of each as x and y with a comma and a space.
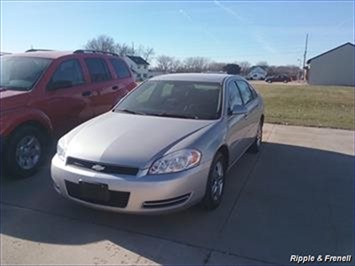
176, 115
130, 112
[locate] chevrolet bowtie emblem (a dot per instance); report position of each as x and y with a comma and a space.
98, 167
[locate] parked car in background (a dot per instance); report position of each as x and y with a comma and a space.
47, 93
166, 146
278, 78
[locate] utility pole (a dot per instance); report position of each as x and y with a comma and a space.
299, 72
304, 58
305, 51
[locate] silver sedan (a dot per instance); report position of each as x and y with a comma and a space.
166, 146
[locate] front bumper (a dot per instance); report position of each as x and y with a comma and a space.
147, 194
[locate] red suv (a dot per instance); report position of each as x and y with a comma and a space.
46, 93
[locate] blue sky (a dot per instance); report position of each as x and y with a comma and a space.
272, 31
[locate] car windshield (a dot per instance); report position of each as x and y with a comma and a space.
179, 99
21, 73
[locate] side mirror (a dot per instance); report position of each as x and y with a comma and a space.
59, 84
238, 110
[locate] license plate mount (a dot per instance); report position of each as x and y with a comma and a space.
94, 191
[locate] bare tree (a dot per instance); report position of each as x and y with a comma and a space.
245, 66
196, 64
124, 49
263, 64
167, 64
107, 44
176, 65
146, 53
215, 66
102, 43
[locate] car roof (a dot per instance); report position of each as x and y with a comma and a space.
201, 77
43, 54
51, 54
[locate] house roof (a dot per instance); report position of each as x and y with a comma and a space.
254, 67
345, 44
138, 60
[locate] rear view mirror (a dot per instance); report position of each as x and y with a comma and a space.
238, 110
59, 84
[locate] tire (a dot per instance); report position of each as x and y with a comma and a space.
215, 183
255, 147
25, 151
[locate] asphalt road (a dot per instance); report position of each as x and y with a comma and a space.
294, 198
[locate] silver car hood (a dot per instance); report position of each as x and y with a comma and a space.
127, 139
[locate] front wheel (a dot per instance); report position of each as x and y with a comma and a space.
25, 151
255, 147
215, 183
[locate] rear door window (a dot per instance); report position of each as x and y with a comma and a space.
233, 96
98, 69
120, 68
245, 91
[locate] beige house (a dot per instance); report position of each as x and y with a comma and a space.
334, 67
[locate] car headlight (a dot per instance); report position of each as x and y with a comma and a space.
176, 162
61, 149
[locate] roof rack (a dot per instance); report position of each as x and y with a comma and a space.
81, 51
38, 50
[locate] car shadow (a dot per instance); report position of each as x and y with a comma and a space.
264, 194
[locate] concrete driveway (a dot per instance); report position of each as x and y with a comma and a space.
294, 198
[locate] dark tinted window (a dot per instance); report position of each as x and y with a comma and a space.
233, 95
21, 73
69, 73
120, 68
98, 69
245, 91
189, 99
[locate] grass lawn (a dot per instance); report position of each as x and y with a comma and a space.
307, 105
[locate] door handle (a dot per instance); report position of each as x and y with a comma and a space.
115, 87
86, 93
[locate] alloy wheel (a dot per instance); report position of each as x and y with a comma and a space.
28, 152
217, 181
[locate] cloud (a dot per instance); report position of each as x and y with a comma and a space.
183, 12
204, 30
256, 35
231, 12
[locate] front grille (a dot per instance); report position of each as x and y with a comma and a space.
104, 168
115, 198
166, 202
